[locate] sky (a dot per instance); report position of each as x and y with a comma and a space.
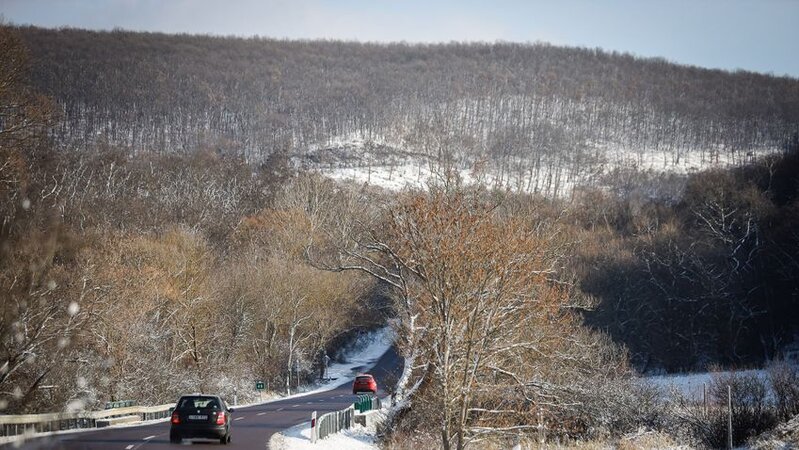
754, 35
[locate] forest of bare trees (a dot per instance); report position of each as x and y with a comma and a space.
525, 110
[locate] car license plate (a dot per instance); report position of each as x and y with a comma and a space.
198, 417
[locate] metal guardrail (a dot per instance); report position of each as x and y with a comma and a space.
333, 422
12, 425
367, 403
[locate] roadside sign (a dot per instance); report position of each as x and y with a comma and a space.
259, 385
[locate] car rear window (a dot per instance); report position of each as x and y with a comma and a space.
367, 378
198, 403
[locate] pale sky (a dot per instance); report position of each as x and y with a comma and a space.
755, 35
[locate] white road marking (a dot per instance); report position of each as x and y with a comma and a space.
308, 403
262, 413
129, 447
238, 418
149, 437
294, 406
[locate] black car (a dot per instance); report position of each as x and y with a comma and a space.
200, 416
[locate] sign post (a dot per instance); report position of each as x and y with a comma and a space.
259, 386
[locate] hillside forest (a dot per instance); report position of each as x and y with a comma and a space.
164, 230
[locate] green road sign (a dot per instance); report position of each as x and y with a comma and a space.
259, 385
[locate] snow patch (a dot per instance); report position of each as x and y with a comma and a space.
376, 161
299, 438
365, 353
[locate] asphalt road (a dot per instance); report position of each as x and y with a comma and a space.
251, 426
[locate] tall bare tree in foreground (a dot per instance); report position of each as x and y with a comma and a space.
479, 304
482, 295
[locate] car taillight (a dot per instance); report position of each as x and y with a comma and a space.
220, 419
175, 418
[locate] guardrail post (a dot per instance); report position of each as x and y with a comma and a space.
359, 404
313, 427
333, 422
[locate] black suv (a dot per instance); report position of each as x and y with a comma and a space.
200, 416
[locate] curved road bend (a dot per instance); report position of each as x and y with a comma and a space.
252, 426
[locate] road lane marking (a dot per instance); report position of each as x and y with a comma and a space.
129, 447
294, 406
238, 418
149, 437
308, 403
262, 413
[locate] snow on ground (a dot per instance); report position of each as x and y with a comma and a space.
677, 161
377, 162
364, 354
299, 438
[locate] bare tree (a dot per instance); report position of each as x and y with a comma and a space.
478, 296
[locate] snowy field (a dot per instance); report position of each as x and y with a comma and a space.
376, 162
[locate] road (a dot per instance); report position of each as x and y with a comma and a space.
251, 427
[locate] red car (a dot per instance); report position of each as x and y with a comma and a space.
364, 383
